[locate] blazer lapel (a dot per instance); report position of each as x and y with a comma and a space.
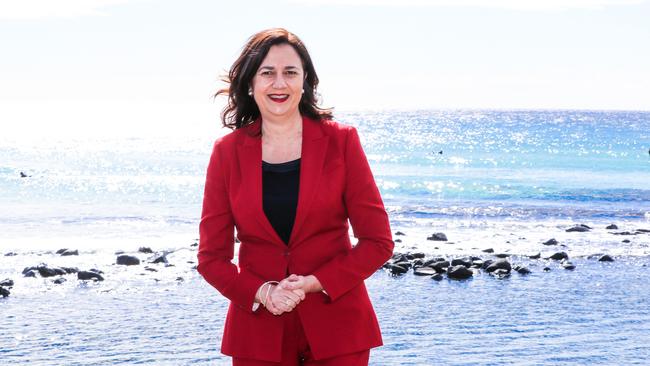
250, 162
314, 149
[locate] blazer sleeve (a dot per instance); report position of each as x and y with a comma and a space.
217, 242
370, 226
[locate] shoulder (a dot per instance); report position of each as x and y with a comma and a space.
337, 130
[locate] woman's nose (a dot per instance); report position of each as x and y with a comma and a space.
279, 82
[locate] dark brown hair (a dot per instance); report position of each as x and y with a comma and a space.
241, 109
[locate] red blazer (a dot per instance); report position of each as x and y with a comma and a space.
336, 184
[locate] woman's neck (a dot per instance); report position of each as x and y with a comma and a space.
281, 130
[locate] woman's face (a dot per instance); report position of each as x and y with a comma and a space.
277, 85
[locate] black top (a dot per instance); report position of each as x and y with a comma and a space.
280, 184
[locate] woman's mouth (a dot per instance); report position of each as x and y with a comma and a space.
279, 98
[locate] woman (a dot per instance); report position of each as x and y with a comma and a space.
288, 179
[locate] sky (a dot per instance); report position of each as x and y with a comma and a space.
133, 67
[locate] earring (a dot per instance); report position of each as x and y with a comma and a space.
302, 91
250, 91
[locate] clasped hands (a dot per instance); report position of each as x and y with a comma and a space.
287, 294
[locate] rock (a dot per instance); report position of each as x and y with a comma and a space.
522, 270
46, 271
459, 272
438, 237
550, 242
535, 256
68, 252
7, 283
180, 279
150, 269
499, 264
4, 292
623, 233
488, 250
70, 269
397, 240
194, 244
145, 250
10, 254
89, 275
440, 267
417, 255
547, 269
578, 228
29, 273
127, 260
119, 252
437, 277
399, 233
160, 259
502, 255
61, 250
559, 256
612, 227
396, 270
604, 258
59, 280
424, 271
626, 240
462, 262
643, 230
568, 265
500, 273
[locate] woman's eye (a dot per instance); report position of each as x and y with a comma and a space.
267, 73
291, 73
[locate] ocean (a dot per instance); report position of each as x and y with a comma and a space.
501, 180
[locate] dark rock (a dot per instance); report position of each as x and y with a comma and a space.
4, 292
145, 250
568, 265
89, 275
424, 271
461, 262
180, 279
23, 175
70, 269
578, 228
522, 270
397, 270
150, 269
488, 250
417, 255
477, 263
499, 264
550, 242
96, 270
59, 280
61, 250
405, 264
547, 269
10, 254
535, 256
612, 227
440, 267
46, 271
623, 233
487, 263
7, 282
127, 260
417, 263
500, 273
397, 240
399, 233
604, 258
559, 256
437, 277
194, 244
119, 252
29, 273
68, 252
502, 255
626, 240
459, 272
438, 237
643, 230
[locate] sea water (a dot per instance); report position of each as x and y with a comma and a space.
505, 180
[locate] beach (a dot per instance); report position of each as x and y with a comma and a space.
515, 186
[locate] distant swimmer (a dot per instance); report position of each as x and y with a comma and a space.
23, 175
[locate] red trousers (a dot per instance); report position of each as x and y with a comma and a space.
296, 352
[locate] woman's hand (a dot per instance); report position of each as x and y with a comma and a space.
281, 300
305, 283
